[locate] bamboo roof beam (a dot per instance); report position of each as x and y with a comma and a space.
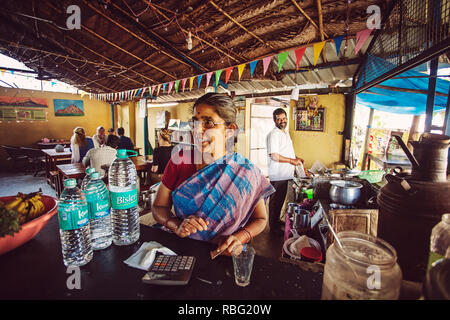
196, 36
127, 52
240, 25
308, 17
319, 9
139, 37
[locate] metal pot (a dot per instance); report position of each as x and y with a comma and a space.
345, 192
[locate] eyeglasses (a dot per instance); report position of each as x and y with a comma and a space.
208, 124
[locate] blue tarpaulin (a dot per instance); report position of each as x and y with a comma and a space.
404, 102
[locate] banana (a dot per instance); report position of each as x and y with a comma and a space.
13, 204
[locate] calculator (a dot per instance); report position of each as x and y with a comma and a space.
170, 270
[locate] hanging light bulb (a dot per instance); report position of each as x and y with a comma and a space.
189, 41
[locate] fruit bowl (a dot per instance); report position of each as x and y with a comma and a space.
30, 228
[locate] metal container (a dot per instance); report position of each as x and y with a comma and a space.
345, 192
302, 221
410, 206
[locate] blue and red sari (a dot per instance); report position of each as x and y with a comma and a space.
225, 193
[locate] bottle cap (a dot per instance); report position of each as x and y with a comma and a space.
90, 170
95, 175
122, 154
70, 183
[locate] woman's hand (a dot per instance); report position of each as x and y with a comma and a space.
191, 225
228, 244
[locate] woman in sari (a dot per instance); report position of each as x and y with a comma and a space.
217, 194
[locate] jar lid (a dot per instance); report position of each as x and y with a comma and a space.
95, 175
311, 253
90, 170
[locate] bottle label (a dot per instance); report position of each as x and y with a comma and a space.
124, 200
98, 209
72, 217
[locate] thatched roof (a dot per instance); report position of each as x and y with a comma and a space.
129, 44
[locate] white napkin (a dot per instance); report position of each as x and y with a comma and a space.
300, 170
143, 258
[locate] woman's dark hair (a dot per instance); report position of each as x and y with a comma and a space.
278, 112
223, 105
112, 141
121, 131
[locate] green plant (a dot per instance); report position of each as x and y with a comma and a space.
9, 222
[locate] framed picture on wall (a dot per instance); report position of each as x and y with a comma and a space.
64, 108
310, 120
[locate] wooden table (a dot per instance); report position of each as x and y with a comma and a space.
51, 159
48, 145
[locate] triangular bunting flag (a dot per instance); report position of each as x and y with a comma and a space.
183, 83
191, 82
299, 55
139, 92
338, 42
157, 90
208, 78
177, 84
253, 66
164, 87
2, 71
266, 62
218, 73
361, 38
228, 73
281, 59
199, 78
170, 86
151, 89
241, 68
317, 50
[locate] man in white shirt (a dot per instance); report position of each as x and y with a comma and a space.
282, 162
99, 139
97, 157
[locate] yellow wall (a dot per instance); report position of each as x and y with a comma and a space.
323, 146
27, 133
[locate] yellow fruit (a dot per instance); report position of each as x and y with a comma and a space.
13, 204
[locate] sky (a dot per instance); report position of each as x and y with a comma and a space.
27, 80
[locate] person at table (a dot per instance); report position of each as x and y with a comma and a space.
161, 156
281, 165
80, 144
111, 132
97, 157
125, 142
218, 195
99, 138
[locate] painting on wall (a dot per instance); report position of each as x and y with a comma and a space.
311, 117
174, 124
65, 107
23, 109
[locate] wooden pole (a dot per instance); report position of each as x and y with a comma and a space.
407, 90
366, 140
431, 94
319, 10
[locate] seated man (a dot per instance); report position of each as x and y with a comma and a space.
97, 157
125, 142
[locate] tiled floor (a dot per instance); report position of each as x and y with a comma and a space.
266, 244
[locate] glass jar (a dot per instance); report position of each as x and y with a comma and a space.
439, 240
365, 267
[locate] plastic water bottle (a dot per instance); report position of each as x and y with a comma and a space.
74, 229
86, 178
97, 197
122, 178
